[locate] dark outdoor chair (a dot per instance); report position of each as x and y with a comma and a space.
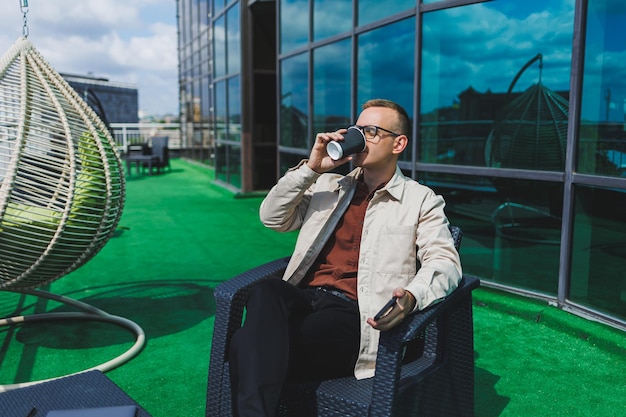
137, 149
140, 154
425, 366
160, 149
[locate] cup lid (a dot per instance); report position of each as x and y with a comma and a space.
334, 150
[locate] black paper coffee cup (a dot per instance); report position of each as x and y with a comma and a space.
353, 142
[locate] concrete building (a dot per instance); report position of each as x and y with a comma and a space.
113, 102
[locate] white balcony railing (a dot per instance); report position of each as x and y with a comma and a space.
138, 133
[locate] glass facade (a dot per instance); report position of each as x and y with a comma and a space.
514, 125
519, 114
218, 42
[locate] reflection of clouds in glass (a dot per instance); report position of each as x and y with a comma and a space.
219, 32
219, 47
371, 10
386, 64
331, 17
294, 82
294, 24
331, 80
604, 84
294, 101
485, 45
610, 7
234, 40
332, 59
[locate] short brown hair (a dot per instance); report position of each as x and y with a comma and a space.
403, 124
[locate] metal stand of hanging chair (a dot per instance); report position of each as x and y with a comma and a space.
88, 312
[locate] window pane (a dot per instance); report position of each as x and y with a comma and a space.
228, 164
221, 162
599, 250
371, 10
234, 40
602, 147
294, 108
205, 100
496, 94
194, 16
294, 24
197, 111
331, 17
218, 5
234, 166
219, 47
220, 111
234, 109
511, 228
203, 15
331, 87
386, 67
289, 160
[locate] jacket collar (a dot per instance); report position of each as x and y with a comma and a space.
395, 186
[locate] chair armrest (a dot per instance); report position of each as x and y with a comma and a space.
230, 300
231, 296
411, 328
392, 343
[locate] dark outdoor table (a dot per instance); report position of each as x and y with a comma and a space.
85, 390
139, 160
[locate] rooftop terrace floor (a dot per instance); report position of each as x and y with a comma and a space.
181, 235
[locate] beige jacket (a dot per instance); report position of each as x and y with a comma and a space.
404, 222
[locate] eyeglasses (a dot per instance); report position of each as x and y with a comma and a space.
371, 131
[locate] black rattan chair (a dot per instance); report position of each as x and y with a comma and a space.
425, 366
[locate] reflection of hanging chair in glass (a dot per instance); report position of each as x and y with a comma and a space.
531, 133
62, 185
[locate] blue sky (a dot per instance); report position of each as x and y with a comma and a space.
131, 42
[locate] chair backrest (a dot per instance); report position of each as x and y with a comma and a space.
160, 149
134, 149
457, 236
160, 141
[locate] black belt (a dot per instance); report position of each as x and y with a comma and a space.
337, 293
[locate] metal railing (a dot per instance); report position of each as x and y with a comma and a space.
138, 133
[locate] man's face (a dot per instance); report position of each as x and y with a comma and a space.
379, 151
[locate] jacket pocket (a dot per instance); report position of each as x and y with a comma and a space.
397, 250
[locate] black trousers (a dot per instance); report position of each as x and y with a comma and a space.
289, 333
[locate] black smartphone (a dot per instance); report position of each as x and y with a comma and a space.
386, 308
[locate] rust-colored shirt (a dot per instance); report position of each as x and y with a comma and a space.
338, 262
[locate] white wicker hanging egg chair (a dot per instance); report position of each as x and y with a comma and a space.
62, 183
62, 189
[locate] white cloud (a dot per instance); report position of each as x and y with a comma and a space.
126, 41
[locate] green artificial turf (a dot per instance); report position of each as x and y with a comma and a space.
181, 235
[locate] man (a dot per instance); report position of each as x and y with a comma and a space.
361, 238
